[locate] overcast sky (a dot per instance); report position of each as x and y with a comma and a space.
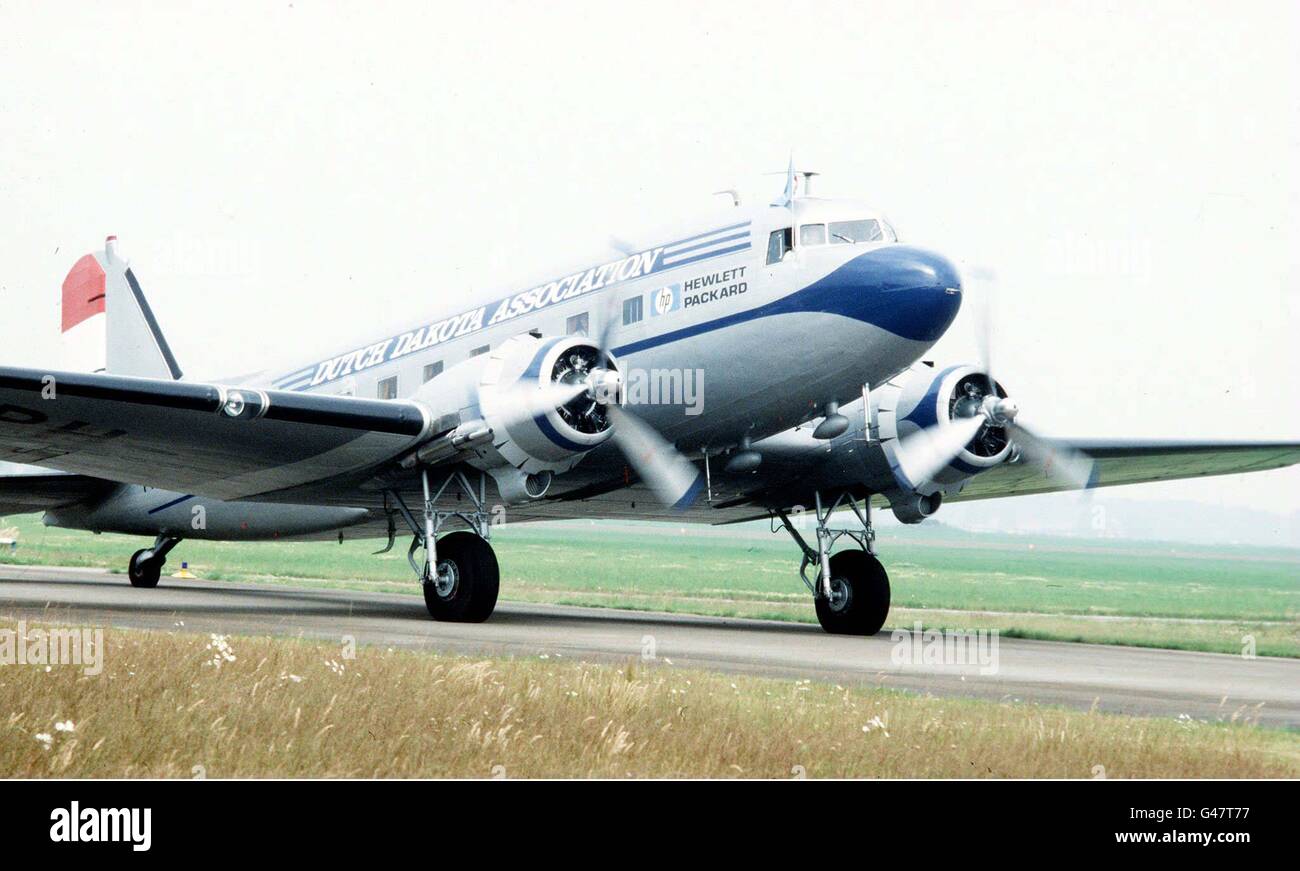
304, 175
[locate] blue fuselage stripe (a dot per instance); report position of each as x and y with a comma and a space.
672, 245
673, 255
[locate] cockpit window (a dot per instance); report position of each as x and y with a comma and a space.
779, 243
812, 234
848, 232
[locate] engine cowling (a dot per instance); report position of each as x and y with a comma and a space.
511, 393
928, 399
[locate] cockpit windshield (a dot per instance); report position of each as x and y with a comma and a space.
812, 234
848, 232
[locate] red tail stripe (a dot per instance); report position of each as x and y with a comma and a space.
83, 292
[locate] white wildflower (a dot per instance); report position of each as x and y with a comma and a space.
876, 723
221, 651
45, 739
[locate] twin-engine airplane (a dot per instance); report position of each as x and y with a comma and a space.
752, 367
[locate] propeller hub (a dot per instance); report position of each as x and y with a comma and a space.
1000, 410
605, 385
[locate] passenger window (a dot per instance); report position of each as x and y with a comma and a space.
779, 243
632, 310
577, 325
812, 234
388, 388
432, 371
482, 350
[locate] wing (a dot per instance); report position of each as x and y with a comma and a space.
222, 442
1134, 462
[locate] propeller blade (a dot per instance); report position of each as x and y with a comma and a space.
923, 454
984, 313
672, 477
1060, 462
611, 315
526, 399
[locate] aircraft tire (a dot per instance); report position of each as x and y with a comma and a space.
859, 600
470, 593
144, 573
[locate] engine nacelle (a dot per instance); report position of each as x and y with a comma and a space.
510, 391
924, 398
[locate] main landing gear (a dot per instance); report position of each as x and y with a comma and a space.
146, 564
459, 572
851, 588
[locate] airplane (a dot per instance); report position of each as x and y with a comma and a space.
769, 364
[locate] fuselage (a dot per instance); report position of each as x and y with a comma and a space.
746, 319
727, 331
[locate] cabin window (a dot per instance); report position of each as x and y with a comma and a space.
432, 371
388, 388
812, 234
577, 325
779, 243
482, 350
848, 232
632, 310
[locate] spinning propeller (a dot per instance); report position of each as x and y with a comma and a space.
673, 478
986, 413
587, 392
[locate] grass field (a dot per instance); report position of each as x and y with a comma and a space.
1106, 592
184, 705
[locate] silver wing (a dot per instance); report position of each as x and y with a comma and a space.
1136, 461
225, 443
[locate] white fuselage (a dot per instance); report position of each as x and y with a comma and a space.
751, 324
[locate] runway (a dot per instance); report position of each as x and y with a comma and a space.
1120, 679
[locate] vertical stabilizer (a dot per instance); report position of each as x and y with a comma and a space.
107, 322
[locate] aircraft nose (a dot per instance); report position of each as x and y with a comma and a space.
909, 291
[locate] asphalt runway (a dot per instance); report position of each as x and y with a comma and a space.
1130, 680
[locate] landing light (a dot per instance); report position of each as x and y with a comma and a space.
234, 406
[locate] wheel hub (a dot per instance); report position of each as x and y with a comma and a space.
446, 580
841, 595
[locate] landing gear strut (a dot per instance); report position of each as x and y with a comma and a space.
146, 564
459, 572
851, 588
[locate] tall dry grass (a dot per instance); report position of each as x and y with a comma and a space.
172, 705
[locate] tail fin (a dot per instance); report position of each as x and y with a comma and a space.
107, 322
